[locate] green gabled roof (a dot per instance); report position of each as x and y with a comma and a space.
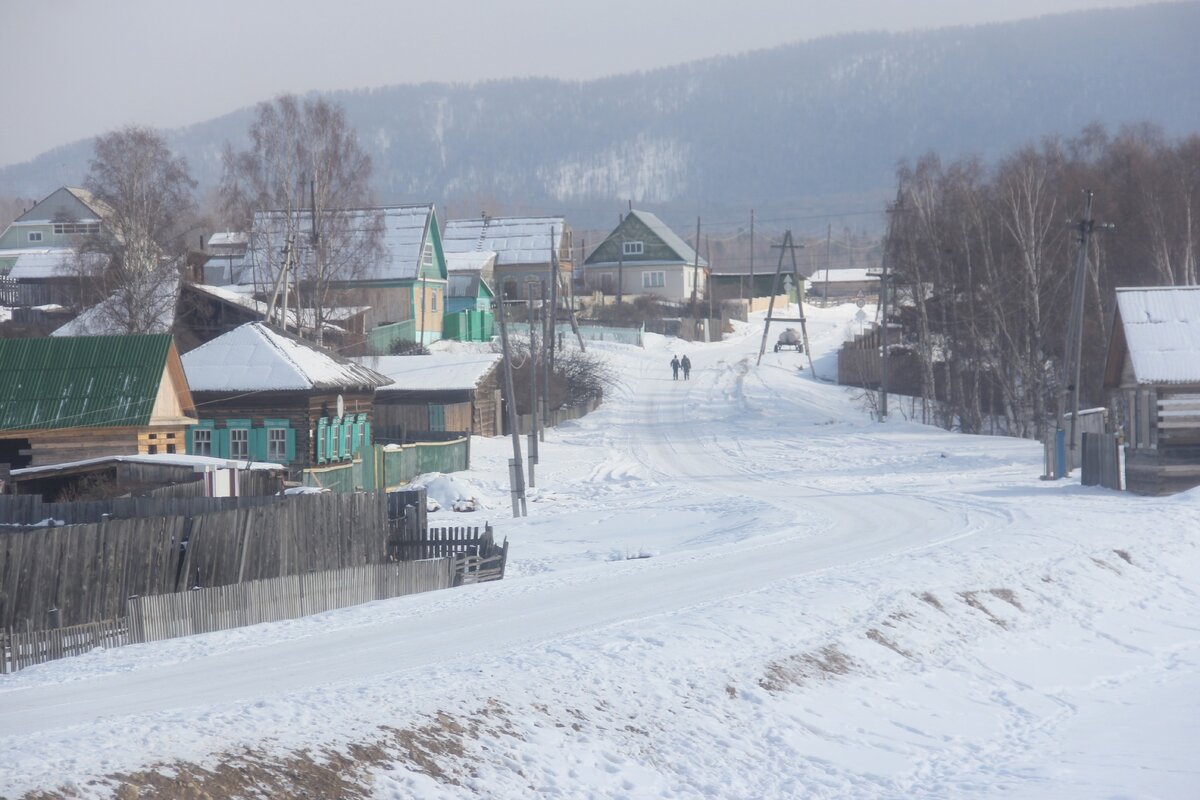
80, 381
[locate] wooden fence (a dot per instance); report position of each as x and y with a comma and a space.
289, 597
20, 650
1101, 460
30, 509
169, 616
51, 576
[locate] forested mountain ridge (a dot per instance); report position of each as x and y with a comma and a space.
800, 128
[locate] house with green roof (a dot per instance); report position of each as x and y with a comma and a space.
76, 397
643, 256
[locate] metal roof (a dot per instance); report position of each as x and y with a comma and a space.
55, 263
436, 372
470, 262
80, 382
1161, 327
515, 240
253, 357
404, 229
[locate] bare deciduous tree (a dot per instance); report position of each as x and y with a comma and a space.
304, 161
132, 265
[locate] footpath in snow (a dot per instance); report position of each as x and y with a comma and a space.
733, 586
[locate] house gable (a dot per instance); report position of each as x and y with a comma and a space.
659, 244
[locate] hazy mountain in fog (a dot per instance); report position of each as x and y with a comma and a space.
797, 129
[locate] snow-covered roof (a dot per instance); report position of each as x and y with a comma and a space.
515, 240
170, 459
437, 372
472, 261
403, 236
253, 357
236, 295
106, 318
51, 263
229, 239
1162, 332
842, 276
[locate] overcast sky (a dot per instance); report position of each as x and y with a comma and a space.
80, 67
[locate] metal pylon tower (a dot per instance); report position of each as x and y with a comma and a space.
788, 246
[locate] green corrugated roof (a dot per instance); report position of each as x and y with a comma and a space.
80, 381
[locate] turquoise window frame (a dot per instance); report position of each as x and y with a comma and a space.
190, 442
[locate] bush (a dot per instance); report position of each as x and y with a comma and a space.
404, 347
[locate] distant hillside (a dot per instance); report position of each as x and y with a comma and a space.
798, 129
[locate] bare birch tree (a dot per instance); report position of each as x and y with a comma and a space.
302, 190
133, 264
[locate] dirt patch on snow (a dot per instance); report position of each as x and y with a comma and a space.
828, 662
437, 748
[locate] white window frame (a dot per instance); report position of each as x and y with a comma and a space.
427, 255
35, 236
239, 436
648, 281
633, 248
277, 444
202, 441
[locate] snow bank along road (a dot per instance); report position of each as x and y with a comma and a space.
733, 586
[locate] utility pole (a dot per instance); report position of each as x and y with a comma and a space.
553, 324
547, 356
696, 271
516, 474
621, 269
533, 388
788, 246
828, 258
752, 259
885, 288
318, 316
708, 277
1073, 352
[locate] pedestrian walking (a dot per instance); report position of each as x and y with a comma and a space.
686, 364
675, 368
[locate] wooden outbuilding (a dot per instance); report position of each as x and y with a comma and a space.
75, 397
1153, 369
433, 395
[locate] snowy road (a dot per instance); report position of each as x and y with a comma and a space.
821, 606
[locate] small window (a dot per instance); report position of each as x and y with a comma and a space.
152, 450
239, 444
347, 430
170, 448
202, 442
633, 248
427, 255
433, 301
654, 280
276, 444
35, 236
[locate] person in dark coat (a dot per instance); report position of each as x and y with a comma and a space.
675, 368
686, 363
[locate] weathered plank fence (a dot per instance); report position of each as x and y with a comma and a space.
29, 509
169, 616
65, 576
289, 597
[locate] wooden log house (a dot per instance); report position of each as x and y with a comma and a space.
266, 396
434, 394
1153, 370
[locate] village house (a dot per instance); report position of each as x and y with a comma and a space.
1153, 368
267, 396
437, 394
38, 250
644, 256
400, 276
522, 246
71, 398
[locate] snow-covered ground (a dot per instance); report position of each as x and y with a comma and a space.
737, 586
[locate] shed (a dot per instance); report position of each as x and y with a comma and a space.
1153, 369
436, 394
73, 397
